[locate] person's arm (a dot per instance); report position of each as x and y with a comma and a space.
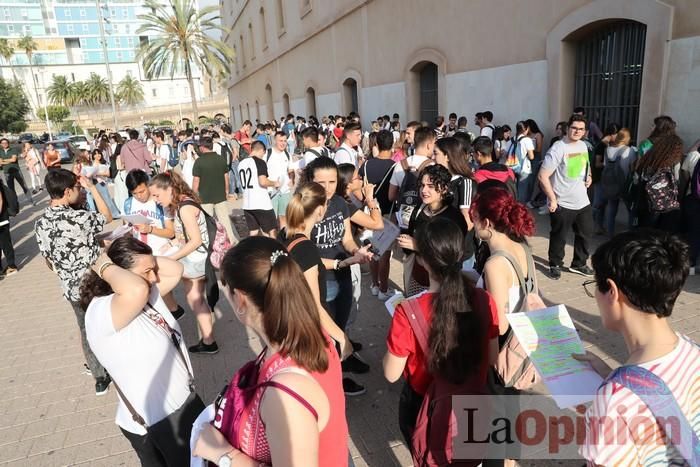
327, 322
195, 184
393, 192
351, 247
168, 231
131, 291
189, 215
497, 282
373, 221
546, 186
530, 154
267, 183
102, 207
169, 274
393, 366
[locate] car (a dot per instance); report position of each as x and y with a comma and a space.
27, 138
79, 141
65, 149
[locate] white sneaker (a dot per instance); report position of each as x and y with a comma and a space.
543, 210
374, 289
529, 205
384, 296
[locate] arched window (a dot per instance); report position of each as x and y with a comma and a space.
252, 41
257, 110
285, 104
263, 28
242, 50
310, 102
269, 103
425, 76
350, 95
280, 17
236, 58
247, 111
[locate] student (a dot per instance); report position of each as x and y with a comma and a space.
485, 124
462, 319
314, 146
348, 152
98, 171
66, 240
298, 419
524, 151
490, 172
6, 246
32, 159
257, 205
624, 267
280, 168
9, 164
131, 332
161, 152
617, 162
192, 243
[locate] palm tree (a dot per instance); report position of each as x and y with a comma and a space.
78, 96
130, 91
181, 37
29, 45
6, 52
59, 91
97, 90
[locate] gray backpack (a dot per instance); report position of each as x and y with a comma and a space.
613, 178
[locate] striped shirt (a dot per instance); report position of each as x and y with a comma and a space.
623, 438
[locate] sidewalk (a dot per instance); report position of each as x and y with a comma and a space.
50, 416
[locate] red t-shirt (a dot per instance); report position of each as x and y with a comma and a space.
240, 136
402, 342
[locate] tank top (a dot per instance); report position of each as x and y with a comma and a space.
333, 439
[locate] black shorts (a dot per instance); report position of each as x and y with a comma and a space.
258, 219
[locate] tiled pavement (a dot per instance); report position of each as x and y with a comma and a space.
49, 415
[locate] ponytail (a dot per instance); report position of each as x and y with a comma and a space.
304, 202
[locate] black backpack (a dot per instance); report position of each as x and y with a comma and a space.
613, 178
409, 194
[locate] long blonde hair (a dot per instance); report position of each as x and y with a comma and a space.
180, 188
623, 138
305, 201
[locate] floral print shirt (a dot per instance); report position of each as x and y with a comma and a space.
66, 238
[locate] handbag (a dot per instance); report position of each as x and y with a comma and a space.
171, 434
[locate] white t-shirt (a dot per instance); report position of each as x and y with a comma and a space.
162, 156
487, 131
278, 167
413, 161
156, 214
254, 195
346, 155
311, 156
141, 359
524, 144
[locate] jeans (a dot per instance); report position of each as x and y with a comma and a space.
525, 187
6, 246
95, 366
339, 297
223, 214
409, 406
234, 182
611, 208
562, 221
106, 197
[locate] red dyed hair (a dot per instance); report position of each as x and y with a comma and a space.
505, 213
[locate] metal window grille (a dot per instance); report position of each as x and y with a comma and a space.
429, 92
608, 82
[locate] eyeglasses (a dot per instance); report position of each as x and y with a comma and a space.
577, 129
587, 284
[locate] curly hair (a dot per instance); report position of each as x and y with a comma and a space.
180, 188
507, 215
666, 152
440, 177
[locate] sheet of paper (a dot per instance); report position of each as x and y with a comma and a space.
114, 234
136, 219
549, 338
391, 302
383, 239
89, 171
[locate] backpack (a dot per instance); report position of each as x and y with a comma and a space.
613, 178
661, 190
409, 197
269, 153
695, 182
331, 141
513, 367
436, 424
174, 157
325, 152
512, 161
219, 243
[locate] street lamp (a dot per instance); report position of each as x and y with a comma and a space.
101, 21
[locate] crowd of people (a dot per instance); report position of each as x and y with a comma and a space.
315, 196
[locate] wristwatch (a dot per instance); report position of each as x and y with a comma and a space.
225, 460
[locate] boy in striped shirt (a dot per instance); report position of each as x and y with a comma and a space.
638, 277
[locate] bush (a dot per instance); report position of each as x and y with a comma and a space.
17, 127
67, 126
56, 113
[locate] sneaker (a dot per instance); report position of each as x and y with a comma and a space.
353, 364
87, 370
555, 272
203, 348
584, 270
356, 346
543, 210
8, 271
179, 313
351, 388
374, 289
102, 385
529, 205
384, 296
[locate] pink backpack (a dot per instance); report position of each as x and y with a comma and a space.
219, 243
436, 424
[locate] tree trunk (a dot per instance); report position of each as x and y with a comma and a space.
190, 82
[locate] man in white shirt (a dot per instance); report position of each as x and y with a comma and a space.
348, 152
257, 206
424, 140
280, 167
161, 151
485, 124
314, 147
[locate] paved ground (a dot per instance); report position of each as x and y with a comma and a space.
49, 415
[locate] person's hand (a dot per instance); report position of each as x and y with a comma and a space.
363, 255
589, 181
211, 444
553, 205
85, 182
277, 184
407, 242
345, 347
600, 367
142, 228
368, 192
231, 196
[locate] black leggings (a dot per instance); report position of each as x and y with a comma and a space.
340, 307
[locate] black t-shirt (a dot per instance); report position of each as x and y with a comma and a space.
328, 233
419, 218
597, 172
378, 171
464, 191
306, 255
